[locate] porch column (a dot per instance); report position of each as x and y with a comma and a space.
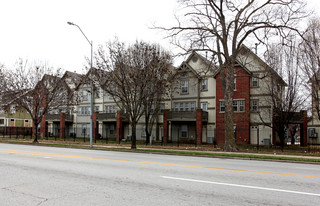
62, 125
165, 126
119, 126
95, 125
199, 126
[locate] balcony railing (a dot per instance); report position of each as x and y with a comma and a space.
111, 117
186, 116
56, 117
107, 116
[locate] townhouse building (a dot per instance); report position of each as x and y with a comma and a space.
192, 112
314, 121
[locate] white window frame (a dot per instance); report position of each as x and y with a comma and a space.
184, 130
84, 95
204, 85
184, 86
238, 105
204, 106
254, 82
254, 105
222, 106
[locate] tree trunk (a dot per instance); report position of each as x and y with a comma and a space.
146, 129
35, 140
230, 143
133, 130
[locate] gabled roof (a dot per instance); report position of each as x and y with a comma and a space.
75, 77
211, 67
246, 49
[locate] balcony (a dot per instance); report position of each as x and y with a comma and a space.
56, 117
186, 116
110, 117
107, 116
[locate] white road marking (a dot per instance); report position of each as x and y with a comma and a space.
243, 186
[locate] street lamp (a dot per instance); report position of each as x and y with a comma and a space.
91, 84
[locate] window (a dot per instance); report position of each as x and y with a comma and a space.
254, 82
111, 129
184, 86
184, 131
1, 121
254, 105
96, 108
184, 106
204, 106
84, 95
181, 106
235, 106
238, 105
110, 109
84, 110
222, 106
97, 93
234, 84
204, 84
176, 107
193, 106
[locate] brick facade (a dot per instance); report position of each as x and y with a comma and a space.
119, 126
241, 119
95, 126
199, 126
62, 125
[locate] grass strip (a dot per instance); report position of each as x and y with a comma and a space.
168, 151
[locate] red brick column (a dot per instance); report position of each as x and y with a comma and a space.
95, 126
62, 125
304, 140
119, 126
199, 126
165, 126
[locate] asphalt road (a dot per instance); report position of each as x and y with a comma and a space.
35, 175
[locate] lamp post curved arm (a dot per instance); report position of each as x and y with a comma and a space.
91, 82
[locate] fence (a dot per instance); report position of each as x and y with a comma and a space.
16, 132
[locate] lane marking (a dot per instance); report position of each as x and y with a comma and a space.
152, 163
242, 186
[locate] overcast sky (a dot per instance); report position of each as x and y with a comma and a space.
37, 30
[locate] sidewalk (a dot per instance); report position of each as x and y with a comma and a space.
210, 153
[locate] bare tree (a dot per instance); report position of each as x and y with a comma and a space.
222, 26
310, 48
36, 89
135, 77
285, 59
